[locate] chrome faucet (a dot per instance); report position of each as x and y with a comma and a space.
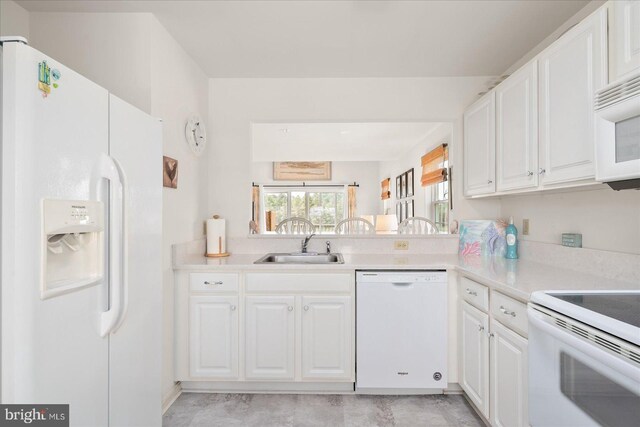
305, 242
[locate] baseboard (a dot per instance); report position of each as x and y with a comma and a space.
171, 397
265, 387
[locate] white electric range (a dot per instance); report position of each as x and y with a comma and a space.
584, 358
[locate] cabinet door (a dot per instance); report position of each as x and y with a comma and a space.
624, 39
327, 338
571, 70
480, 146
213, 337
509, 403
269, 330
517, 129
474, 372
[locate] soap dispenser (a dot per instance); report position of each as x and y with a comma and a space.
512, 240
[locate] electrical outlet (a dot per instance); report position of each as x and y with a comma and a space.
401, 245
525, 227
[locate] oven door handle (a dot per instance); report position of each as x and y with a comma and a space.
590, 349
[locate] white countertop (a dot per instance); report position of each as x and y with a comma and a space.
516, 278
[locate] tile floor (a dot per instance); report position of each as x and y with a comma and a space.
200, 409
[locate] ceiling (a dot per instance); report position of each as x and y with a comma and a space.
347, 38
370, 141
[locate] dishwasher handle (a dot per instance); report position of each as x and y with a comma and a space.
402, 283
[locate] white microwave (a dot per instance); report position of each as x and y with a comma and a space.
617, 107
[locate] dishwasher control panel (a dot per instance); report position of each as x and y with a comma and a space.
401, 276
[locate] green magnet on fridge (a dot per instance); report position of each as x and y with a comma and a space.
55, 85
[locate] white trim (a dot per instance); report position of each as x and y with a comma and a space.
271, 387
171, 397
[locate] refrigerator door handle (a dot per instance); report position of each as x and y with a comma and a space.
108, 170
124, 245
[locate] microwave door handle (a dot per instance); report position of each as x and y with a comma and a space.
107, 170
589, 349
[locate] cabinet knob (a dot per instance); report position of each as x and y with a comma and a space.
490, 335
530, 173
507, 312
470, 292
290, 308
233, 308
541, 171
480, 328
306, 308
490, 182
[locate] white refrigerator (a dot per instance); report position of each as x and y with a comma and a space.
81, 245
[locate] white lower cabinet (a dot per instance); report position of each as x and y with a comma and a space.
493, 360
326, 337
508, 377
270, 337
213, 341
474, 372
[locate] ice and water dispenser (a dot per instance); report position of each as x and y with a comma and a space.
72, 245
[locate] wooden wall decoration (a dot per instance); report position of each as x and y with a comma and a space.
302, 171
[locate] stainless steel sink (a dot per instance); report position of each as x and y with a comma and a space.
301, 258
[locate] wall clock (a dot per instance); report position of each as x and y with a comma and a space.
196, 135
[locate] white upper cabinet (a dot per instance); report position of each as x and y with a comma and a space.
517, 129
624, 39
480, 146
571, 70
326, 337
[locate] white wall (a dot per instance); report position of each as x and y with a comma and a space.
14, 20
134, 57
235, 103
112, 49
608, 220
413, 159
364, 173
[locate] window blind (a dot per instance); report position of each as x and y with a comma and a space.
433, 166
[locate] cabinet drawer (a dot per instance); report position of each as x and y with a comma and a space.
213, 282
474, 293
509, 312
297, 283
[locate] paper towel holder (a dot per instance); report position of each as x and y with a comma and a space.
220, 254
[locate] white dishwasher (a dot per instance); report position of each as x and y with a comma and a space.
401, 332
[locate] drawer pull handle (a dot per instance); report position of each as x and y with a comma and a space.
290, 308
306, 308
507, 312
214, 283
233, 308
470, 292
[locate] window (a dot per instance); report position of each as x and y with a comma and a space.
323, 207
435, 166
440, 203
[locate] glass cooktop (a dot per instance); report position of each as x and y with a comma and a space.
624, 307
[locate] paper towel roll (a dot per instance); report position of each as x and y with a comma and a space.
216, 239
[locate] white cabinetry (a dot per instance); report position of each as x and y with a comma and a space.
270, 329
571, 70
214, 336
624, 39
474, 351
508, 377
326, 337
517, 129
493, 355
480, 146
